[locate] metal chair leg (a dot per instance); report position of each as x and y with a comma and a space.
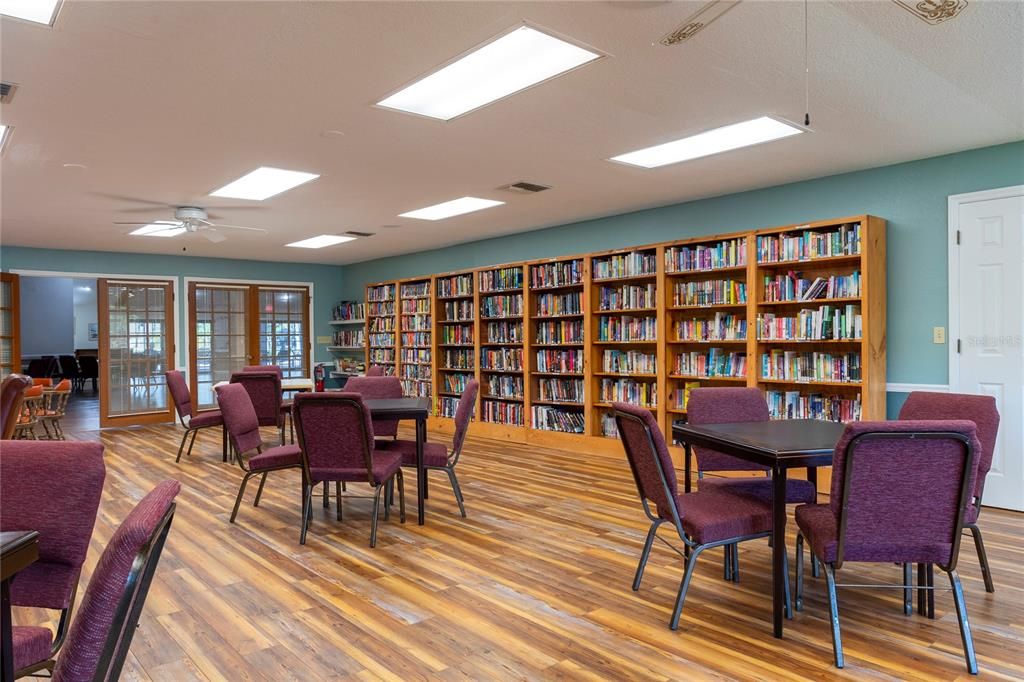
337, 494
798, 603
979, 546
241, 491
327, 501
789, 597
833, 608
921, 581
376, 509
181, 447
965, 624
457, 490
401, 496
683, 587
727, 563
307, 511
930, 573
815, 566
259, 491
645, 555
908, 589
736, 562
188, 453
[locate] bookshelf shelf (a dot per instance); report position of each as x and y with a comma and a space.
683, 342
823, 260
812, 302
710, 306
341, 322
710, 271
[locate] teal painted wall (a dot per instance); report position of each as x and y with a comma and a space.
326, 279
912, 197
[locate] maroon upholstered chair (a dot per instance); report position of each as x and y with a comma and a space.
375, 371
264, 389
703, 520
264, 368
102, 633
980, 409
11, 391
28, 470
378, 387
336, 437
435, 455
900, 490
243, 427
192, 421
286, 405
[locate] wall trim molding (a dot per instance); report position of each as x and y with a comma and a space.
910, 388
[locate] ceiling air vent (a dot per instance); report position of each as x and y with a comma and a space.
7, 91
359, 234
524, 188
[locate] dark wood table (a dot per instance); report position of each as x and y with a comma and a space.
779, 445
18, 549
416, 409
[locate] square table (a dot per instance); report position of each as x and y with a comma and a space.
18, 550
417, 409
779, 445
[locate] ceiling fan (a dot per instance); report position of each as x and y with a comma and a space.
187, 219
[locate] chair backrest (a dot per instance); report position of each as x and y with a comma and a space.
53, 488
45, 382
68, 366
335, 433
375, 371
101, 634
180, 394
62, 386
12, 390
463, 414
899, 489
90, 366
264, 368
240, 420
264, 390
649, 459
378, 387
980, 409
724, 406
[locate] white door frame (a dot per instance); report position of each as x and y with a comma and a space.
955, 202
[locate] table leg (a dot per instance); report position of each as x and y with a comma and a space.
6, 634
779, 576
812, 476
688, 469
224, 443
421, 470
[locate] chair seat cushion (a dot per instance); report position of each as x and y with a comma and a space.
273, 458
798, 490
205, 419
718, 515
817, 522
385, 464
286, 407
31, 645
434, 454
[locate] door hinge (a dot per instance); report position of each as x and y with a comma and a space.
958, 237
958, 345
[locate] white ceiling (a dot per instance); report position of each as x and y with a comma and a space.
167, 101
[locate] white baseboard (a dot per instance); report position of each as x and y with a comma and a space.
910, 388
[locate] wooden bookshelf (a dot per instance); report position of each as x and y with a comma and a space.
455, 337
382, 326
502, 312
415, 338
348, 343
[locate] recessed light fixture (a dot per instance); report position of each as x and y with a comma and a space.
159, 229
726, 138
321, 241
263, 183
37, 11
451, 208
504, 65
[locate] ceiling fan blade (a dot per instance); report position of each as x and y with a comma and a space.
168, 223
136, 200
239, 227
213, 235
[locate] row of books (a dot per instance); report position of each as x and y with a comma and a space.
643, 393
416, 339
416, 289
349, 310
349, 365
627, 328
725, 254
417, 323
570, 303
501, 279
714, 362
548, 418
566, 361
418, 356
412, 388
793, 405
711, 292
560, 331
504, 332
458, 310
834, 323
446, 407
382, 340
381, 356
382, 324
721, 327
456, 285
609, 429
383, 309
457, 359
349, 337
413, 371
560, 390
627, 297
809, 244
455, 382
629, 362
556, 274
456, 333
681, 396
502, 412
384, 292
796, 366
793, 287
415, 305
510, 359
501, 306
632, 264
505, 386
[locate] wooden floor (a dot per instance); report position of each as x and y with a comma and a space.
535, 584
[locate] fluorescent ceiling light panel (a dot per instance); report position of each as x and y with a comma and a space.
321, 241
507, 64
726, 138
451, 208
263, 183
39, 11
159, 229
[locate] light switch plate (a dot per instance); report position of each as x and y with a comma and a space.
938, 335
324, 339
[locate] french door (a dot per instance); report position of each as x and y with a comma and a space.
10, 355
234, 325
136, 324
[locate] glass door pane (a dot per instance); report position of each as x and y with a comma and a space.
283, 332
220, 343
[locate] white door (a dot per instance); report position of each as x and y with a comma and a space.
988, 271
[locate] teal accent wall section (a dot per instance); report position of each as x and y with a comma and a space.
326, 279
911, 196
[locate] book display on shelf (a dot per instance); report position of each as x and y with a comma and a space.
713, 363
455, 336
502, 354
381, 327
624, 265
728, 253
415, 339
348, 338
349, 311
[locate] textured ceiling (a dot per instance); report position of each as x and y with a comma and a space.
166, 101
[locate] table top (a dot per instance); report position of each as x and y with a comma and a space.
18, 549
290, 384
399, 408
777, 439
